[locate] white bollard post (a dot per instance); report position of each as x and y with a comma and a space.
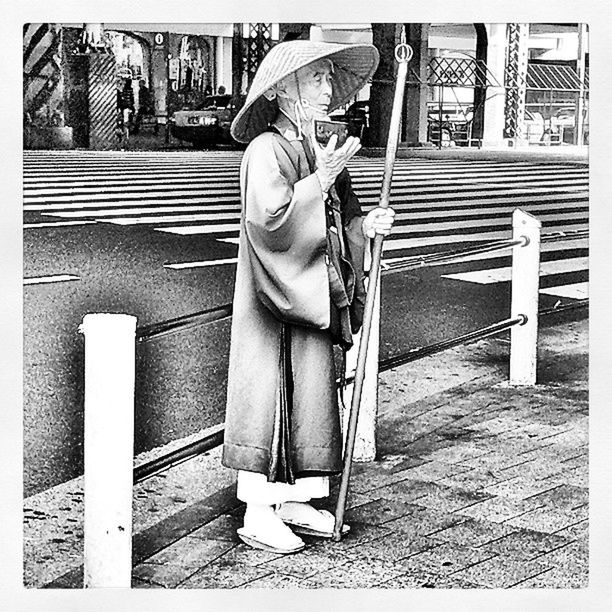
365, 440
525, 288
109, 448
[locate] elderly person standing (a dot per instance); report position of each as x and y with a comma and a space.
299, 289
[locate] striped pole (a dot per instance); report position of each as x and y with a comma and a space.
102, 101
42, 83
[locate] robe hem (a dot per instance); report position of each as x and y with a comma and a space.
254, 459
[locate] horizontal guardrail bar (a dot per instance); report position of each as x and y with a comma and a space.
152, 468
563, 307
412, 263
178, 456
156, 330
569, 235
431, 349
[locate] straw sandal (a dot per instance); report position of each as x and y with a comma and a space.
266, 531
262, 541
306, 520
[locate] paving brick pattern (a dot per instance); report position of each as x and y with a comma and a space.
501, 503
480, 485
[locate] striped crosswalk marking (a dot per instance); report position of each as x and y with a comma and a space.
439, 204
56, 224
575, 291
500, 275
57, 278
201, 264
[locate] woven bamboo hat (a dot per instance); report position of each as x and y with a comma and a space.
354, 64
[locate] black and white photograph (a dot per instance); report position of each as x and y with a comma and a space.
305, 306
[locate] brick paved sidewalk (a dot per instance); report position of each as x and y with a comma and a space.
478, 486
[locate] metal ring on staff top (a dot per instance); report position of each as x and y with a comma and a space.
403, 52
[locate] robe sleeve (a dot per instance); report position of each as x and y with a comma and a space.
286, 235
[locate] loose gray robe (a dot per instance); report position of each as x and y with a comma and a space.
281, 277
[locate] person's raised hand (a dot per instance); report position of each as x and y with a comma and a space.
331, 161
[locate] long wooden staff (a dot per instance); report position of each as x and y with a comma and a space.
403, 53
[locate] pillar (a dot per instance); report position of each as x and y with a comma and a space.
414, 117
516, 81
494, 105
159, 74
581, 69
237, 59
293, 31
480, 92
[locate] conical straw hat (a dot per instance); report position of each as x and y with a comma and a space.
354, 64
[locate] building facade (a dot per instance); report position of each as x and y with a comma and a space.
468, 84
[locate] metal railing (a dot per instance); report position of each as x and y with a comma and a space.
442, 257
109, 413
172, 326
210, 441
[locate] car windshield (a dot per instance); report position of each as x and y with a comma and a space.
214, 102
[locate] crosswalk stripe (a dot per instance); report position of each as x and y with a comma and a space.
438, 203
500, 275
545, 247
400, 232
361, 171
55, 224
574, 291
445, 241
198, 229
231, 184
152, 214
57, 278
175, 219
201, 264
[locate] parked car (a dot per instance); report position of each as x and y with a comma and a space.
456, 122
564, 122
209, 123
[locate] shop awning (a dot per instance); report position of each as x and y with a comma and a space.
553, 76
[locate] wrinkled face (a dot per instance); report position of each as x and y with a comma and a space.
315, 85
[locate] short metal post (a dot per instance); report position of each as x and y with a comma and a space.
365, 441
525, 288
109, 448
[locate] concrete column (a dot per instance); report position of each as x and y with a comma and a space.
581, 65
494, 118
480, 93
224, 63
414, 116
384, 37
516, 82
237, 59
159, 74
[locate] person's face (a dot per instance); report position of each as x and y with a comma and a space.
315, 85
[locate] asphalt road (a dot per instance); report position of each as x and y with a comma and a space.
181, 377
